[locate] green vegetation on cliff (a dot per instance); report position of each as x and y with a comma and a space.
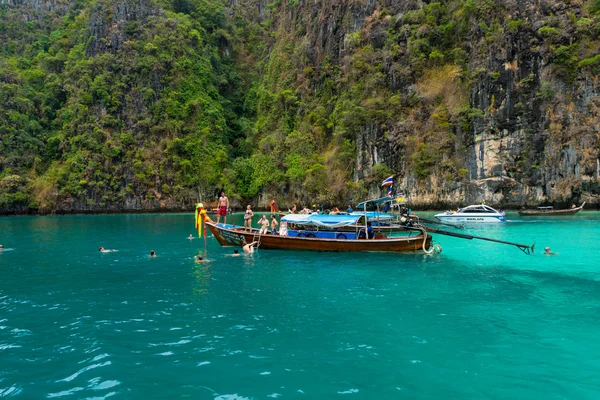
118, 101
145, 105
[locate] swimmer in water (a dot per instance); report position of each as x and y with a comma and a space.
200, 260
152, 253
249, 247
236, 253
1, 247
101, 249
190, 237
548, 252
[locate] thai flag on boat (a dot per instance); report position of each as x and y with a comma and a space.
391, 191
388, 181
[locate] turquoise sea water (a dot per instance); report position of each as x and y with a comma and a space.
478, 321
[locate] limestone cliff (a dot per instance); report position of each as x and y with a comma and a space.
463, 101
145, 105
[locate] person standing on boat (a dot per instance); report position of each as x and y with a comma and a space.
223, 207
273, 205
274, 224
248, 218
264, 223
349, 210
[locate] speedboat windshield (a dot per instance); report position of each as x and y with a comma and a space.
480, 208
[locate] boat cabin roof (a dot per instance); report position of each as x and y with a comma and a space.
478, 208
373, 202
399, 199
546, 208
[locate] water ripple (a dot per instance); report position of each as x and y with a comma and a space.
10, 391
65, 392
82, 370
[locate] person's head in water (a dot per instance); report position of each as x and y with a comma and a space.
152, 253
236, 251
547, 250
100, 248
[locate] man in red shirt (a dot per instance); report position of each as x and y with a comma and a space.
223, 207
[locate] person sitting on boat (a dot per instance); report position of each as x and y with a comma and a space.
264, 223
274, 224
349, 210
283, 229
293, 210
370, 233
305, 210
335, 211
249, 247
248, 218
573, 205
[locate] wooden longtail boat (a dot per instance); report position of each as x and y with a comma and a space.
344, 232
228, 235
551, 211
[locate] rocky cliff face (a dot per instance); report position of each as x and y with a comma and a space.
494, 101
135, 105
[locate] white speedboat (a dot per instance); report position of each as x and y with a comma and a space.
479, 213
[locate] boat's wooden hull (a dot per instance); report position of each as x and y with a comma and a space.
237, 237
536, 213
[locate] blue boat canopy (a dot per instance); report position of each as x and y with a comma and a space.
326, 220
373, 215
